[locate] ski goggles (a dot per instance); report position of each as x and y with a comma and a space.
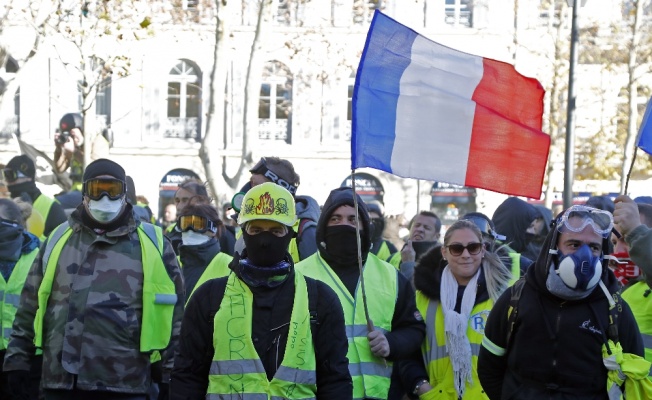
196, 223
97, 187
262, 169
10, 175
578, 217
457, 249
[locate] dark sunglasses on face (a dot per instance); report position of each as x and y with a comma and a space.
96, 188
9, 175
457, 249
196, 223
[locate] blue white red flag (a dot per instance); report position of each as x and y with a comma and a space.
645, 131
423, 110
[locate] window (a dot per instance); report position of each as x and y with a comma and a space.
275, 104
290, 12
183, 101
459, 12
363, 10
103, 103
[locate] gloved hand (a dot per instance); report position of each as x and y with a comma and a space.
163, 391
18, 384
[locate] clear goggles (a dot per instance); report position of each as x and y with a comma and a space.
97, 187
578, 217
196, 223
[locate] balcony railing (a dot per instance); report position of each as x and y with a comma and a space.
184, 128
273, 129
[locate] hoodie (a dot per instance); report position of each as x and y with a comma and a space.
307, 209
512, 218
564, 337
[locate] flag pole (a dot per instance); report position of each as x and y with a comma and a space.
370, 324
631, 167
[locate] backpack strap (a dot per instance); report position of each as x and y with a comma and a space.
312, 300
512, 312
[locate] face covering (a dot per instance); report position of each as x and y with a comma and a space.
105, 210
269, 276
11, 241
379, 226
580, 270
623, 267
24, 187
192, 238
341, 244
266, 249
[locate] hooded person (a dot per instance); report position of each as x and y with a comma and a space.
382, 248
381, 291
561, 318
19, 176
512, 219
127, 301
288, 329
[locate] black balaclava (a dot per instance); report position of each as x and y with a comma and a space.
338, 244
11, 241
266, 249
512, 218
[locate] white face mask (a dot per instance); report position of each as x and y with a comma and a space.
105, 210
192, 238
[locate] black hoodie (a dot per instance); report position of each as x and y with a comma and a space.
408, 329
556, 345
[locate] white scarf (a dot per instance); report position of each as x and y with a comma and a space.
455, 326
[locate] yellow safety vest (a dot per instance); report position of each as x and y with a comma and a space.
159, 294
383, 252
42, 205
370, 374
237, 372
642, 309
217, 268
435, 355
10, 294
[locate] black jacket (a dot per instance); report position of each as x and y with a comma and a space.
194, 260
555, 351
271, 318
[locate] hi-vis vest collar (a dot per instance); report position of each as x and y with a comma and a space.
159, 294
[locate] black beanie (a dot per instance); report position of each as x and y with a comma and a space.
104, 167
23, 164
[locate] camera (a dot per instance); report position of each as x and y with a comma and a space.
63, 137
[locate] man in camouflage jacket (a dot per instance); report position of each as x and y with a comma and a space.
92, 327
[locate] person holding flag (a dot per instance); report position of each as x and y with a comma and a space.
382, 321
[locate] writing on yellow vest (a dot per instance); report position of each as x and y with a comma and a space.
237, 371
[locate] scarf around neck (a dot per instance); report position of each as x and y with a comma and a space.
455, 326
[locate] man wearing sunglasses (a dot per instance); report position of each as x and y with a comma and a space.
265, 330
19, 175
104, 293
549, 343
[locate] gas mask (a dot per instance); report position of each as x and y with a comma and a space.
105, 210
580, 270
623, 267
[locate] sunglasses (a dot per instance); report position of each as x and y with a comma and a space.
98, 187
196, 223
9, 175
457, 249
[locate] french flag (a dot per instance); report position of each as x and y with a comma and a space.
425, 111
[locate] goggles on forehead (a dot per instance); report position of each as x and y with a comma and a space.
8, 222
262, 169
196, 223
578, 217
97, 187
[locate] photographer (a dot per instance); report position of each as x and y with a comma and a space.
69, 152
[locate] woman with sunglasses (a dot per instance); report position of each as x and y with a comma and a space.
456, 284
18, 248
200, 257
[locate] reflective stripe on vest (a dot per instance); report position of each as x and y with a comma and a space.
159, 294
435, 355
10, 294
641, 306
236, 370
370, 374
217, 268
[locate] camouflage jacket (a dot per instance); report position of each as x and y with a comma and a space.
91, 328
